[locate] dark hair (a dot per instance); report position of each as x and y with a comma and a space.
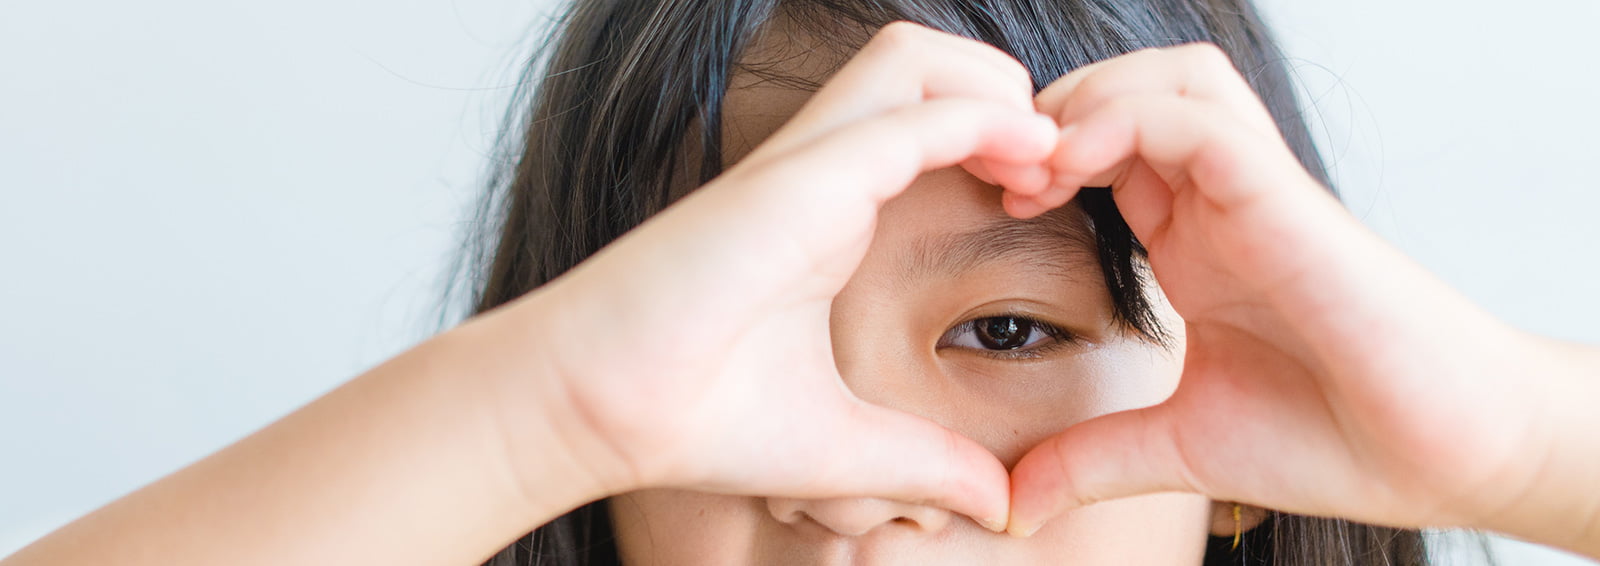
624, 115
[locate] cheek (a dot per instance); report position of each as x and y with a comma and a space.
1011, 407
1038, 402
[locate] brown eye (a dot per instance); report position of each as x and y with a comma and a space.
1009, 334
1003, 332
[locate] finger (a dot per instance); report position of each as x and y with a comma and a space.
978, 169
1198, 70
1117, 455
1185, 142
788, 208
903, 64
1021, 206
1143, 197
1050, 99
1022, 178
879, 452
879, 157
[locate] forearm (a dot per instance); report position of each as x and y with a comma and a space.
1562, 505
406, 464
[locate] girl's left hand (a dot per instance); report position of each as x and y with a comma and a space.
1325, 373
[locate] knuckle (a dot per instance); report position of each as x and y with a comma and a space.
895, 50
898, 36
1201, 49
1084, 499
1130, 112
1130, 104
1071, 482
1013, 68
904, 37
1095, 89
1016, 69
1208, 54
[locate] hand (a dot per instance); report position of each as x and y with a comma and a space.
696, 349
1325, 373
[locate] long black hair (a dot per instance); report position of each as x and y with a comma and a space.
623, 113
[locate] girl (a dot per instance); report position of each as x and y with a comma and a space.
630, 100
849, 346
654, 141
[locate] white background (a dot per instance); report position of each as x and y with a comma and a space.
212, 212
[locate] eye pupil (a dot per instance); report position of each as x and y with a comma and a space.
1004, 332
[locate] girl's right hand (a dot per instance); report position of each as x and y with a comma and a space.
694, 352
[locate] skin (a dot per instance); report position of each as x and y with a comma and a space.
886, 323
1347, 381
886, 326
1287, 324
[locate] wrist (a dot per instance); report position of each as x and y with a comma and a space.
1560, 505
554, 448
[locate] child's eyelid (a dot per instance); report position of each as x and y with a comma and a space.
1054, 330
1058, 335
1057, 332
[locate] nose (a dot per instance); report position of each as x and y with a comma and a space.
857, 516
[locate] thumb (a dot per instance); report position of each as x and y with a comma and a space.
1113, 456
882, 452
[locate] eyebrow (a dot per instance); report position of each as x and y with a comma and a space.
1060, 241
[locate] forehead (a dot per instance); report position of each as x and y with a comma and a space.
948, 226
776, 74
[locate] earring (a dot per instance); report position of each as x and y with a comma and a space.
1238, 526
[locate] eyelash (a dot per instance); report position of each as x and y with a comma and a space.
1057, 338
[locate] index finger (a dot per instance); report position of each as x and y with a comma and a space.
903, 64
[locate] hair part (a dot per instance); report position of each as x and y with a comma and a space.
623, 114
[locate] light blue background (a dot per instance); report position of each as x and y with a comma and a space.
212, 212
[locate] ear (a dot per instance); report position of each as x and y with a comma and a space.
1222, 523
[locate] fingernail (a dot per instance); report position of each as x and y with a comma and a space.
1025, 208
1066, 132
994, 525
1026, 532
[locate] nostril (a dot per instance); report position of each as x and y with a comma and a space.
922, 518
856, 517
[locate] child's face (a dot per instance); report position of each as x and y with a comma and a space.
945, 254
